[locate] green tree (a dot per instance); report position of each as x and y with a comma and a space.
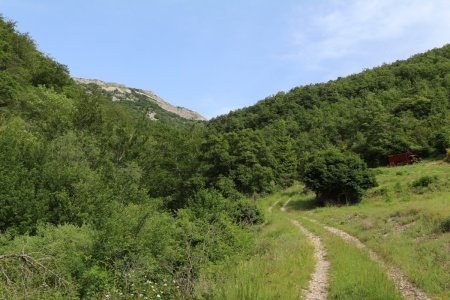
21, 156
282, 146
442, 140
337, 177
244, 157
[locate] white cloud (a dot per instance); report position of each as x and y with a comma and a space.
342, 29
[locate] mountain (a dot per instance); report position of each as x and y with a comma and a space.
140, 100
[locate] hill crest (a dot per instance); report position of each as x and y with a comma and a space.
121, 92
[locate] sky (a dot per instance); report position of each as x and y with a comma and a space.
216, 56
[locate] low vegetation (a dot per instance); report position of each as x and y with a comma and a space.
278, 267
353, 275
336, 177
406, 227
405, 220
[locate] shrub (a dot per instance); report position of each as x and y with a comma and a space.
245, 211
211, 205
95, 280
337, 177
442, 140
423, 181
61, 255
445, 225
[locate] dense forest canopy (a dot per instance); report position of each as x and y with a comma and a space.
388, 109
107, 198
113, 201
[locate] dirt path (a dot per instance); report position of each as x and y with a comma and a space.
407, 289
273, 205
318, 284
283, 208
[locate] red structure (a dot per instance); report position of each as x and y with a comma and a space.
401, 159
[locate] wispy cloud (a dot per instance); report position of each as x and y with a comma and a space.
342, 29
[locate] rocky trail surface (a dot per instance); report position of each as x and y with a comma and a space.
319, 280
406, 288
318, 284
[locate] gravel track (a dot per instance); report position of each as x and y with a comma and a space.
283, 208
406, 288
318, 284
273, 205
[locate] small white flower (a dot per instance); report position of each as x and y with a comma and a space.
159, 296
165, 284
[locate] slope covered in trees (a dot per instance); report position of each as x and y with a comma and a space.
98, 200
388, 109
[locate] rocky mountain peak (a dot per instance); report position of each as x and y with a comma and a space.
120, 92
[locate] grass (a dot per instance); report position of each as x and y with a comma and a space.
352, 274
279, 268
405, 220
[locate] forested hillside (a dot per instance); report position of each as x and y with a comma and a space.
388, 109
96, 200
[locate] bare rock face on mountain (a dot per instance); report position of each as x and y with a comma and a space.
120, 92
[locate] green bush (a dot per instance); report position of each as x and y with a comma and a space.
445, 225
211, 205
245, 211
95, 281
442, 140
59, 256
423, 181
337, 177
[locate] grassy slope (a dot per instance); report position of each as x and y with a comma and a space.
404, 224
278, 268
353, 275
408, 226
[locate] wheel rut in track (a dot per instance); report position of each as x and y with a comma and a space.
318, 284
406, 288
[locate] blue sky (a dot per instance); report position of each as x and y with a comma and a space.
214, 56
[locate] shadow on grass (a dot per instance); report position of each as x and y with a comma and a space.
308, 202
